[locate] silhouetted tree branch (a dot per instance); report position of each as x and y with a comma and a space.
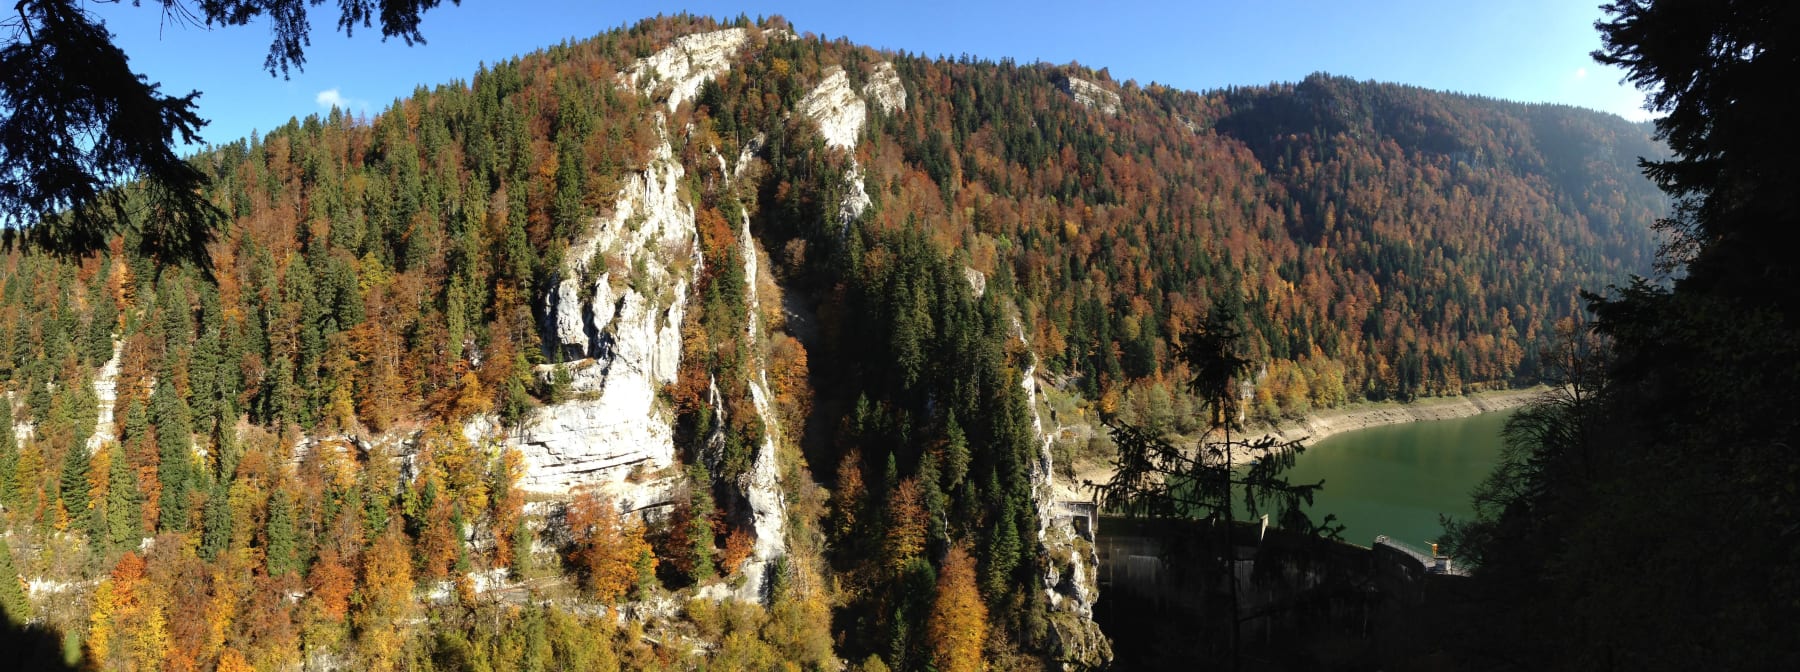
77, 125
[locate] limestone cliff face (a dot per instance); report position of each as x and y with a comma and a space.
762, 485
686, 64
841, 115
106, 389
1069, 582
615, 313
885, 89
1091, 94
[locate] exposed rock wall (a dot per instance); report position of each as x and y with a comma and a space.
106, 389
615, 314
1091, 94
885, 89
686, 64
1069, 581
841, 115
762, 485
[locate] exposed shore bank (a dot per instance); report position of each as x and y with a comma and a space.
1320, 424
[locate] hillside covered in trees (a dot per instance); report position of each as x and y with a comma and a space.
310, 450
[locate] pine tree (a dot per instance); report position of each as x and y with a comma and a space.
124, 514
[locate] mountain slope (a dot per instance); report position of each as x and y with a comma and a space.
694, 271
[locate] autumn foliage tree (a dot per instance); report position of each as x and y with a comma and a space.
607, 551
958, 626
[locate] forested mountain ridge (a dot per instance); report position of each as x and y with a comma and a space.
793, 261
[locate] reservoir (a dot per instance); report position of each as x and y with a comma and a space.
1394, 480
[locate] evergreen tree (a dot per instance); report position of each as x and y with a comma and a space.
225, 449
74, 486
124, 512
457, 525
175, 456
15, 610
99, 343
697, 532
280, 545
137, 423
956, 454
216, 521
932, 494
9, 456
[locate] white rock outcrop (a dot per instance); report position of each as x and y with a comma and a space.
1076, 640
841, 114
885, 89
624, 341
615, 315
106, 389
686, 64
1091, 94
762, 485
838, 110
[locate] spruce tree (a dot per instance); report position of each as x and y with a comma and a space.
699, 532
137, 422
124, 512
956, 454
9, 456
74, 486
174, 468
216, 521
15, 610
99, 344
279, 552
933, 495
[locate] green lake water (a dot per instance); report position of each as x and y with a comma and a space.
1394, 480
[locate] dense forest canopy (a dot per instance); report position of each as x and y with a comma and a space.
390, 277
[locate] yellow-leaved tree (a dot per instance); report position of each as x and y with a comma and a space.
387, 599
958, 625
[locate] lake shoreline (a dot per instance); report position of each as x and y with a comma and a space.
1319, 425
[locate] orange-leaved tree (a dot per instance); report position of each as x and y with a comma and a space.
606, 550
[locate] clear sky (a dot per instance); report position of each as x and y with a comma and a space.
1526, 50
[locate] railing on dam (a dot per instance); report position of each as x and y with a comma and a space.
1434, 563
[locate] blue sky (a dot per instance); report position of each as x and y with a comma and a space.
1526, 50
